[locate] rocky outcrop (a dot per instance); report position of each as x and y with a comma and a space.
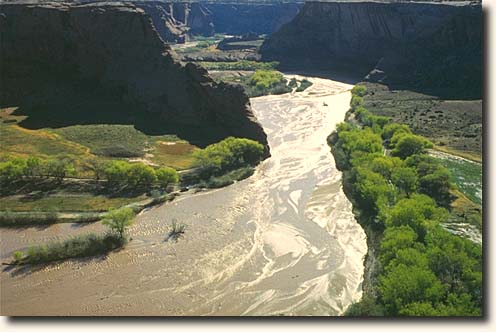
47, 49
178, 21
434, 46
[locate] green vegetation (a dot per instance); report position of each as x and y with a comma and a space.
227, 155
176, 231
264, 82
239, 65
80, 246
121, 141
119, 220
421, 268
116, 172
466, 175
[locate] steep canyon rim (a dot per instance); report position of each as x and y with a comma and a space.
282, 242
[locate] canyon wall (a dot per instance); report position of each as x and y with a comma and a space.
426, 45
47, 49
178, 21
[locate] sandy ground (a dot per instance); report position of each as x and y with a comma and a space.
283, 242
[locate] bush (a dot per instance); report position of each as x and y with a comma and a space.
418, 212
226, 155
356, 101
166, 176
359, 90
139, 175
437, 185
119, 220
59, 168
12, 170
80, 246
406, 145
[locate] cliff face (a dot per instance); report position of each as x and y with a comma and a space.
176, 22
49, 49
424, 44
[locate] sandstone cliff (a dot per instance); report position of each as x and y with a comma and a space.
419, 45
53, 50
178, 21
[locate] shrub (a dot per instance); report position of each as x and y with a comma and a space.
393, 128
13, 170
437, 185
418, 212
166, 176
408, 284
408, 144
139, 174
59, 168
119, 220
80, 246
356, 101
359, 90
226, 155
405, 179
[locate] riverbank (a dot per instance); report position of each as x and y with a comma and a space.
403, 199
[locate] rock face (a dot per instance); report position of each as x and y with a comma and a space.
113, 47
431, 45
178, 21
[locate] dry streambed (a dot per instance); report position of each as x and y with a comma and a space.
283, 242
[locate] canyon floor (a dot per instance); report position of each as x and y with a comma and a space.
282, 242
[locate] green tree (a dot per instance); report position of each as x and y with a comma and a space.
393, 128
34, 166
419, 212
139, 175
97, 167
119, 220
13, 169
116, 172
359, 90
59, 168
437, 185
396, 238
166, 176
374, 193
405, 179
356, 101
407, 145
403, 285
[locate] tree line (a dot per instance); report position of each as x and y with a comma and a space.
115, 172
403, 196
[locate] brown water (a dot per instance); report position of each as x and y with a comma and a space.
283, 242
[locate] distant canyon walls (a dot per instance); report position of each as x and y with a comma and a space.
425, 45
178, 21
47, 49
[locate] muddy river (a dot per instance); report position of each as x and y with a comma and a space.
282, 242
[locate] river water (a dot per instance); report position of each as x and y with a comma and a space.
282, 242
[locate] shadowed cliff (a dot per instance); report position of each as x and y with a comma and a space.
430, 47
105, 63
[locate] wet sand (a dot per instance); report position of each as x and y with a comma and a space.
282, 242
